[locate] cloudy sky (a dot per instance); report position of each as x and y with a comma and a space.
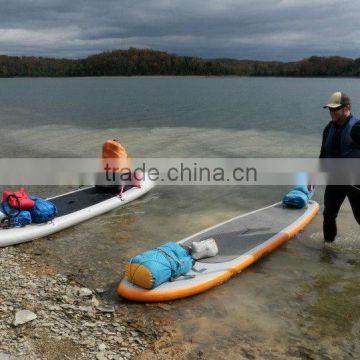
243, 29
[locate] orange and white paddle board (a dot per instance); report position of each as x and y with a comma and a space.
241, 241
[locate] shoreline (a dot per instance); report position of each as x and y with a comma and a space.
47, 315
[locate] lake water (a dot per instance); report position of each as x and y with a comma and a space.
302, 301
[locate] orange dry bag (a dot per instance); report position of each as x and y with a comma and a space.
115, 158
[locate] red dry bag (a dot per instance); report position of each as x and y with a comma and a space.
18, 200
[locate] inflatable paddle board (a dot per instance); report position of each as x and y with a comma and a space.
73, 208
241, 241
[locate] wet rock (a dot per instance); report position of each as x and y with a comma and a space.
85, 308
23, 317
85, 292
164, 307
105, 308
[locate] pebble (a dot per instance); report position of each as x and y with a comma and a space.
95, 301
118, 339
102, 347
85, 292
105, 308
23, 317
101, 356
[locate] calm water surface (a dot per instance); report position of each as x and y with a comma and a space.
303, 301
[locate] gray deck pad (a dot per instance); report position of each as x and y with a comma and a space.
236, 237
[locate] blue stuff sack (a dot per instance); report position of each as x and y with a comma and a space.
43, 210
298, 197
154, 267
17, 218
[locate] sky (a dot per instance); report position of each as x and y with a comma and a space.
284, 30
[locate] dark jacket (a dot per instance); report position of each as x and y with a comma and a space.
336, 141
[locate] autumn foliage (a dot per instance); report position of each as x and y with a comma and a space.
149, 62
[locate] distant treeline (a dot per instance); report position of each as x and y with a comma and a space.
149, 62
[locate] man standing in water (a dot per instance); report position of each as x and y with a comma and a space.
341, 139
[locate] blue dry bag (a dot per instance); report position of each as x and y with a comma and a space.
43, 210
154, 267
17, 218
298, 197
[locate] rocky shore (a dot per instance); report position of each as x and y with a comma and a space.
50, 316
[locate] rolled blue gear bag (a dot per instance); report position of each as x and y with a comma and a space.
154, 267
43, 210
298, 197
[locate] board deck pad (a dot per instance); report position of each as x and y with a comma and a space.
241, 241
75, 201
241, 235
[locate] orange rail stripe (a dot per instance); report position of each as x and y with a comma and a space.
144, 295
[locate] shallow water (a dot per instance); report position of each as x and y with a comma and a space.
301, 301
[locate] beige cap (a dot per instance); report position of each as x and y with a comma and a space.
337, 99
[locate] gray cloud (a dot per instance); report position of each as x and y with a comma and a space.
257, 29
